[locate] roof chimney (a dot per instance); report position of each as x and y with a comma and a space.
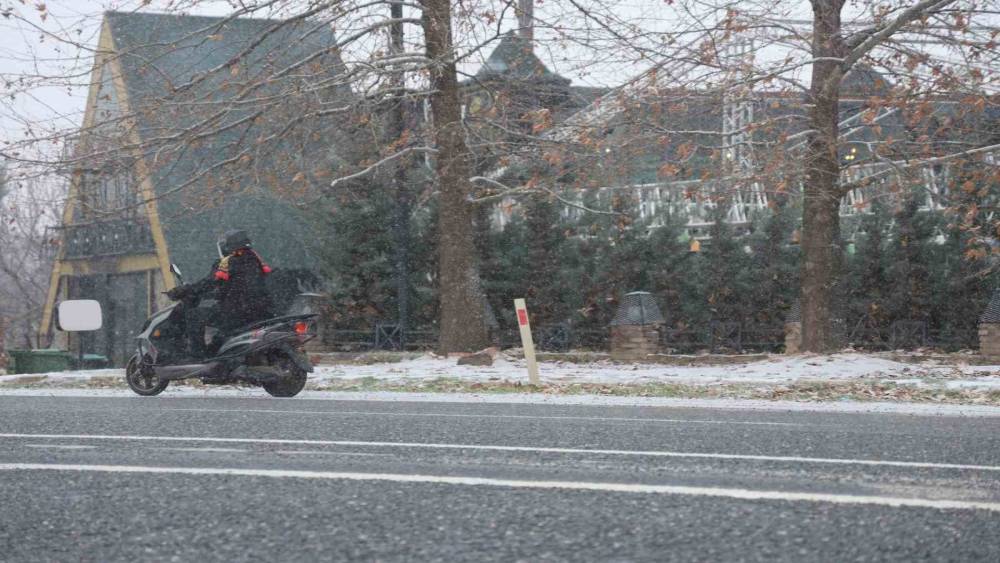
525, 23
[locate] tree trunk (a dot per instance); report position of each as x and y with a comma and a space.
3, 325
820, 212
463, 309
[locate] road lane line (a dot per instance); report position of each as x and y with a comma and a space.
526, 449
317, 452
962, 411
719, 492
206, 450
506, 416
59, 447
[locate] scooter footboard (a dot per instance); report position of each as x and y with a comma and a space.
174, 373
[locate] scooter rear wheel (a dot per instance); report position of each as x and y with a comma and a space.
142, 380
293, 378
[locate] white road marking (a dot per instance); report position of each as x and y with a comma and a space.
59, 446
317, 452
505, 416
719, 492
546, 399
206, 450
528, 449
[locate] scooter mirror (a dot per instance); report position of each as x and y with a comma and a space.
80, 315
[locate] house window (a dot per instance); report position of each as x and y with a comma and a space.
111, 189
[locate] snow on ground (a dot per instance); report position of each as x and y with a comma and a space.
774, 370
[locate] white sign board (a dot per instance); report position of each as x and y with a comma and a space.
80, 315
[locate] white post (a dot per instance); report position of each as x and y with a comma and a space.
526, 341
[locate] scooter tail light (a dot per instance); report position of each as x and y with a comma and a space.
301, 328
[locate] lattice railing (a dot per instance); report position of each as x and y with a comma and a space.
107, 238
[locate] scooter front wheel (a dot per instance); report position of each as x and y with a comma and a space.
293, 378
142, 379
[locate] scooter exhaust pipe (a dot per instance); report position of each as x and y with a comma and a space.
173, 373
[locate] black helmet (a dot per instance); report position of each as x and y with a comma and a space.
233, 241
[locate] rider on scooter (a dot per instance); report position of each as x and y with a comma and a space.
237, 283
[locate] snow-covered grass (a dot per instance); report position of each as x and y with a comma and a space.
774, 369
842, 376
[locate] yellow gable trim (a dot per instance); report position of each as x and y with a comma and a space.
104, 48
142, 172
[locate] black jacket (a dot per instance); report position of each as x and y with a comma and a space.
238, 283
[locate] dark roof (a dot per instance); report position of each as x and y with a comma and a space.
862, 80
515, 59
583, 96
654, 131
992, 313
177, 75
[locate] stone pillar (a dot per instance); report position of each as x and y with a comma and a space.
635, 330
989, 339
989, 328
793, 328
793, 337
634, 342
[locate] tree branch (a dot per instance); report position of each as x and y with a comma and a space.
862, 42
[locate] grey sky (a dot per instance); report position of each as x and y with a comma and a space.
57, 72
38, 51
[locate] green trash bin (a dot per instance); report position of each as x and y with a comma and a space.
94, 361
40, 361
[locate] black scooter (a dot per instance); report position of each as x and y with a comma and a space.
268, 353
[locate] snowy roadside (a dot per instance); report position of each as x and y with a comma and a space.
837, 377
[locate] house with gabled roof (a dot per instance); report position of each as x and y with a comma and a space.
672, 151
513, 82
193, 126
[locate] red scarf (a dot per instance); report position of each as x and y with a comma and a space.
222, 270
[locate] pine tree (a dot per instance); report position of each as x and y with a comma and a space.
358, 262
423, 267
866, 286
958, 293
726, 266
674, 273
908, 294
774, 267
620, 254
504, 267
547, 287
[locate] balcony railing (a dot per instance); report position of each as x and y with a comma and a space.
107, 238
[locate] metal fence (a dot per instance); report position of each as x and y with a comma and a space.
718, 337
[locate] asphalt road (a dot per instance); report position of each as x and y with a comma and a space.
236, 479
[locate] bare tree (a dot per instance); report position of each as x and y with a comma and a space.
245, 121
28, 210
463, 309
835, 54
687, 76
745, 100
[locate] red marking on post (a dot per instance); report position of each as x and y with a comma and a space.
522, 317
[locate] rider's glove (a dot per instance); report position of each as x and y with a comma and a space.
177, 293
